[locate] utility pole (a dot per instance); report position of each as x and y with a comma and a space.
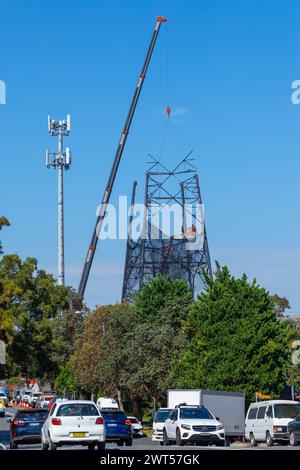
60, 160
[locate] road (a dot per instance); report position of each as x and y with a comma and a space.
144, 443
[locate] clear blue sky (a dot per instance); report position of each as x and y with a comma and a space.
231, 64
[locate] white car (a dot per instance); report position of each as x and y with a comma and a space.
4, 398
159, 419
189, 423
105, 403
73, 422
267, 421
137, 427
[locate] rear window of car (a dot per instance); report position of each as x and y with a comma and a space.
134, 420
77, 409
113, 414
48, 398
32, 415
252, 413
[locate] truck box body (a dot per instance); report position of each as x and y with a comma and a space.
229, 407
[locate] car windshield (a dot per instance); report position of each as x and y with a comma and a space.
2, 394
27, 393
195, 413
286, 410
161, 416
77, 409
113, 414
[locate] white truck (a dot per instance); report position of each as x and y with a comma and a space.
228, 407
105, 403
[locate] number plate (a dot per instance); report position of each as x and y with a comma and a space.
112, 424
79, 434
33, 424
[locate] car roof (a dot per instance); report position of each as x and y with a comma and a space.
70, 402
274, 402
32, 410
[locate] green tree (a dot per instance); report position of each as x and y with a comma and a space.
281, 304
235, 340
3, 222
29, 303
65, 382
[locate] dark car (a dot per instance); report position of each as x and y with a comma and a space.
25, 427
294, 431
118, 427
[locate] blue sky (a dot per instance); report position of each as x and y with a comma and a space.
231, 65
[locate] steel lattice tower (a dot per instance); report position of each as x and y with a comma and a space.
181, 255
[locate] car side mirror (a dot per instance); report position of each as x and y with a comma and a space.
217, 418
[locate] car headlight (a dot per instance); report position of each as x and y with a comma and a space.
186, 426
219, 427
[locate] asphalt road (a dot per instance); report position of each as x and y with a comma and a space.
139, 443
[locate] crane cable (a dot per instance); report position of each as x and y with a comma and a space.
169, 124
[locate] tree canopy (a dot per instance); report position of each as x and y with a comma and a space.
235, 340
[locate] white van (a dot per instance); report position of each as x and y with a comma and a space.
267, 421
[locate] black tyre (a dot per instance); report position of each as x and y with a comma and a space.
52, 446
161, 443
13, 445
44, 445
253, 441
293, 441
101, 446
166, 441
179, 442
128, 442
121, 443
91, 447
220, 444
269, 440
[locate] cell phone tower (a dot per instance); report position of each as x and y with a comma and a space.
60, 160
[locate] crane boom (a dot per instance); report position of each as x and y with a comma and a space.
105, 200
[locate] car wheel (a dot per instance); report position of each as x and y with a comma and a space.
293, 441
44, 445
52, 446
166, 441
220, 444
128, 442
161, 443
253, 441
179, 442
13, 445
91, 447
101, 446
269, 440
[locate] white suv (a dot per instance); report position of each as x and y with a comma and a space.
187, 423
73, 422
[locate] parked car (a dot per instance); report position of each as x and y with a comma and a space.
74, 422
294, 431
159, 419
268, 421
4, 398
25, 427
193, 424
137, 427
118, 427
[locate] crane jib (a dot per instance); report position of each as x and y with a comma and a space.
116, 162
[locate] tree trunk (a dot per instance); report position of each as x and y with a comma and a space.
137, 408
119, 398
